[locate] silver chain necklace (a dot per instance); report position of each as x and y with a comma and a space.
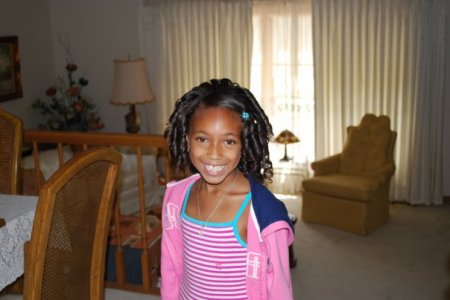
215, 208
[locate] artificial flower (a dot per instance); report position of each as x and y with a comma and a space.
69, 108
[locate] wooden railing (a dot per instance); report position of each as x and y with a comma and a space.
91, 139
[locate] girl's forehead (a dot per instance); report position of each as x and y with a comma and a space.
215, 111
215, 118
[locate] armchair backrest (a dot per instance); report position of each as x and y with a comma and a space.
369, 146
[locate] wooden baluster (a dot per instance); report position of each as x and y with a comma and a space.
60, 154
145, 260
37, 166
119, 257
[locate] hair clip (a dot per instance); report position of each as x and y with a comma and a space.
245, 116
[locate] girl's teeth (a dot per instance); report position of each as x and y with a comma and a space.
214, 168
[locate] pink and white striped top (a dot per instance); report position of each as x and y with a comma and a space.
214, 258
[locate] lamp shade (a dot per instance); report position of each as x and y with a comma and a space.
286, 137
131, 84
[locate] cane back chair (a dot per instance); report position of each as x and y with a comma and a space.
65, 258
11, 131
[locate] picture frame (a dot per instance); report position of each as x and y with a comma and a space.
10, 76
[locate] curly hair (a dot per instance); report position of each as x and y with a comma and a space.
256, 128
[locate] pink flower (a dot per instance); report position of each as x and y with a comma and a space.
51, 91
73, 91
78, 106
71, 67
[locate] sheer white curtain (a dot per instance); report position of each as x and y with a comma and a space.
282, 71
384, 57
187, 42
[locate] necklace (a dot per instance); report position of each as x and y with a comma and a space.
217, 205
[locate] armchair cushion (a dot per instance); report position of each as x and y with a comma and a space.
358, 188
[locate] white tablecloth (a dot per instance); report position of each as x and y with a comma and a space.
18, 212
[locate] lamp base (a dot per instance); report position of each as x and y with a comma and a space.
133, 120
285, 158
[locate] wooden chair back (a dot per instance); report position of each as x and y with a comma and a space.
65, 258
11, 131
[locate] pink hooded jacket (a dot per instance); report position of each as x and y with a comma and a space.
269, 233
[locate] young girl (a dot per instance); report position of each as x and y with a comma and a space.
225, 236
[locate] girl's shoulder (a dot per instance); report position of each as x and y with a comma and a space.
268, 209
175, 189
182, 183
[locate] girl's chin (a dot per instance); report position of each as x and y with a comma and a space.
214, 178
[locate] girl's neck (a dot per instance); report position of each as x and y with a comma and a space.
231, 179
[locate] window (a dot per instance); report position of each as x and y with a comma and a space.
282, 76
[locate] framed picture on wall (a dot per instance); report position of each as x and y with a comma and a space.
10, 79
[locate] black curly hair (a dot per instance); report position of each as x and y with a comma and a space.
256, 128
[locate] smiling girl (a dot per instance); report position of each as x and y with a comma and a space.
225, 236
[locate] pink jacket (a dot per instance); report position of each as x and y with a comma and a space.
269, 233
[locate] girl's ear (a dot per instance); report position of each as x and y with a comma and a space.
187, 143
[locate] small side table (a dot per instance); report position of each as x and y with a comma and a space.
287, 177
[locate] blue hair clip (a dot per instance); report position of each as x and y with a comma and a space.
245, 116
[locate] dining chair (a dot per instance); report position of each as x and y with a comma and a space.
11, 132
65, 257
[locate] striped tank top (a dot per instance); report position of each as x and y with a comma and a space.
214, 258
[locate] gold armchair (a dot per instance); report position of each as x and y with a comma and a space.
11, 132
350, 190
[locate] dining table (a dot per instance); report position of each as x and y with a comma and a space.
17, 211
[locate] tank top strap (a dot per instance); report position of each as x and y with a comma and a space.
186, 197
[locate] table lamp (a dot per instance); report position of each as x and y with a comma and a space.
131, 87
286, 137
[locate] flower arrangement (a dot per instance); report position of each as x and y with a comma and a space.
69, 108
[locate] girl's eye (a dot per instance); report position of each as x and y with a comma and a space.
230, 142
201, 139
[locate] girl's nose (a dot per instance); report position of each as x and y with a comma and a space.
215, 151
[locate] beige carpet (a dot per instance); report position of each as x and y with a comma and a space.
409, 258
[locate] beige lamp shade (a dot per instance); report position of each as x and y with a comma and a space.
131, 84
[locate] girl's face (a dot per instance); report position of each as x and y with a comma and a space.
215, 143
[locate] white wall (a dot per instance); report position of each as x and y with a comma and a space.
99, 32
30, 21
